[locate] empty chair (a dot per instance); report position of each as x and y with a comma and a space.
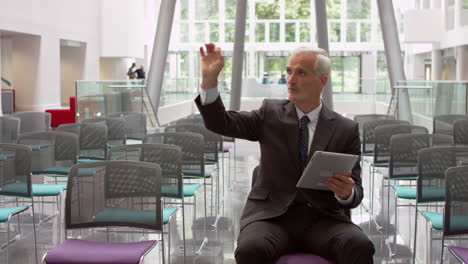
368, 134
34, 121
443, 124
115, 129
119, 194
9, 129
15, 181
135, 124
460, 132
361, 119
92, 140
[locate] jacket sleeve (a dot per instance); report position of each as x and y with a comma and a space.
245, 125
354, 147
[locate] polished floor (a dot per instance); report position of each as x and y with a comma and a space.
224, 228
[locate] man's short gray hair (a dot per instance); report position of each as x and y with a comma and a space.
322, 61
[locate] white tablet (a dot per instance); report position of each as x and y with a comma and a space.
323, 164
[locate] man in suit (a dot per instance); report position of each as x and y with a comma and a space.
279, 218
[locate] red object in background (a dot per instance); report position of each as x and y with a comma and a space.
63, 116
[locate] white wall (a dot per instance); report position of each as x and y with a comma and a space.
6, 60
122, 28
50, 21
71, 69
115, 68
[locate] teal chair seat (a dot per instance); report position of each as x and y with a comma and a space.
7, 212
89, 158
195, 173
38, 147
430, 194
53, 170
189, 189
437, 220
116, 214
37, 189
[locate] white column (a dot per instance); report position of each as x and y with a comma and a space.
462, 63
1, 82
436, 64
238, 54
322, 34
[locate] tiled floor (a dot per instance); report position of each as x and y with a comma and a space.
221, 243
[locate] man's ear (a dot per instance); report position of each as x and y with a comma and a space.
324, 80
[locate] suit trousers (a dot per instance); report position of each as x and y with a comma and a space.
302, 230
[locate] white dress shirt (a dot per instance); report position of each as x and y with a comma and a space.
208, 96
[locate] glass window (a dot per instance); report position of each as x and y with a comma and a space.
304, 32
267, 9
200, 32
290, 29
260, 32
274, 32
229, 32
464, 13
206, 9
297, 9
365, 32
184, 9
184, 32
335, 32
333, 9
184, 65
214, 32
358, 9
351, 32
247, 32
275, 66
351, 72
337, 74
230, 9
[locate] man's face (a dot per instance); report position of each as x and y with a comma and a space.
303, 85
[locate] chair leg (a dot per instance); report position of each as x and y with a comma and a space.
396, 226
415, 233
183, 230
34, 230
8, 241
169, 240
442, 251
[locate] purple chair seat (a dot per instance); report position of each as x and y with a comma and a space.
77, 251
227, 148
301, 258
459, 252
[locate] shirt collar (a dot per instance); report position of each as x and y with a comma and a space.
313, 115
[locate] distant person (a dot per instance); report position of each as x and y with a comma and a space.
131, 71
140, 73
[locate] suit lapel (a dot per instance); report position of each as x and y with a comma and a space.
323, 131
291, 132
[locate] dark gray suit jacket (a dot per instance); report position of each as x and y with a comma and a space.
276, 127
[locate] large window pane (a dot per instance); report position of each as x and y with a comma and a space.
184, 32
275, 66
297, 9
333, 9
358, 9
304, 32
335, 32
337, 74
247, 32
290, 29
229, 32
274, 32
199, 32
351, 71
351, 32
464, 13
214, 32
260, 32
365, 32
230, 9
267, 9
206, 9
184, 9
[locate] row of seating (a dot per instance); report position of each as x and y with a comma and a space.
408, 153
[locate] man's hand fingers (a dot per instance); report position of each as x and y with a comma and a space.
337, 182
343, 178
202, 52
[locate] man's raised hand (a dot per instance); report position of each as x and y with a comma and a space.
212, 62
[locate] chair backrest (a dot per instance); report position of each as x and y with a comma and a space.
51, 148
34, 121
456, 201
9, 129
368, 138
15, 170
404, 149
191, 144
443, 124
135, 125
168, 157
92, 137
211, 139
432, 164
190, 121
383, 135
460, 132
115, 128
98, 190
361, 119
